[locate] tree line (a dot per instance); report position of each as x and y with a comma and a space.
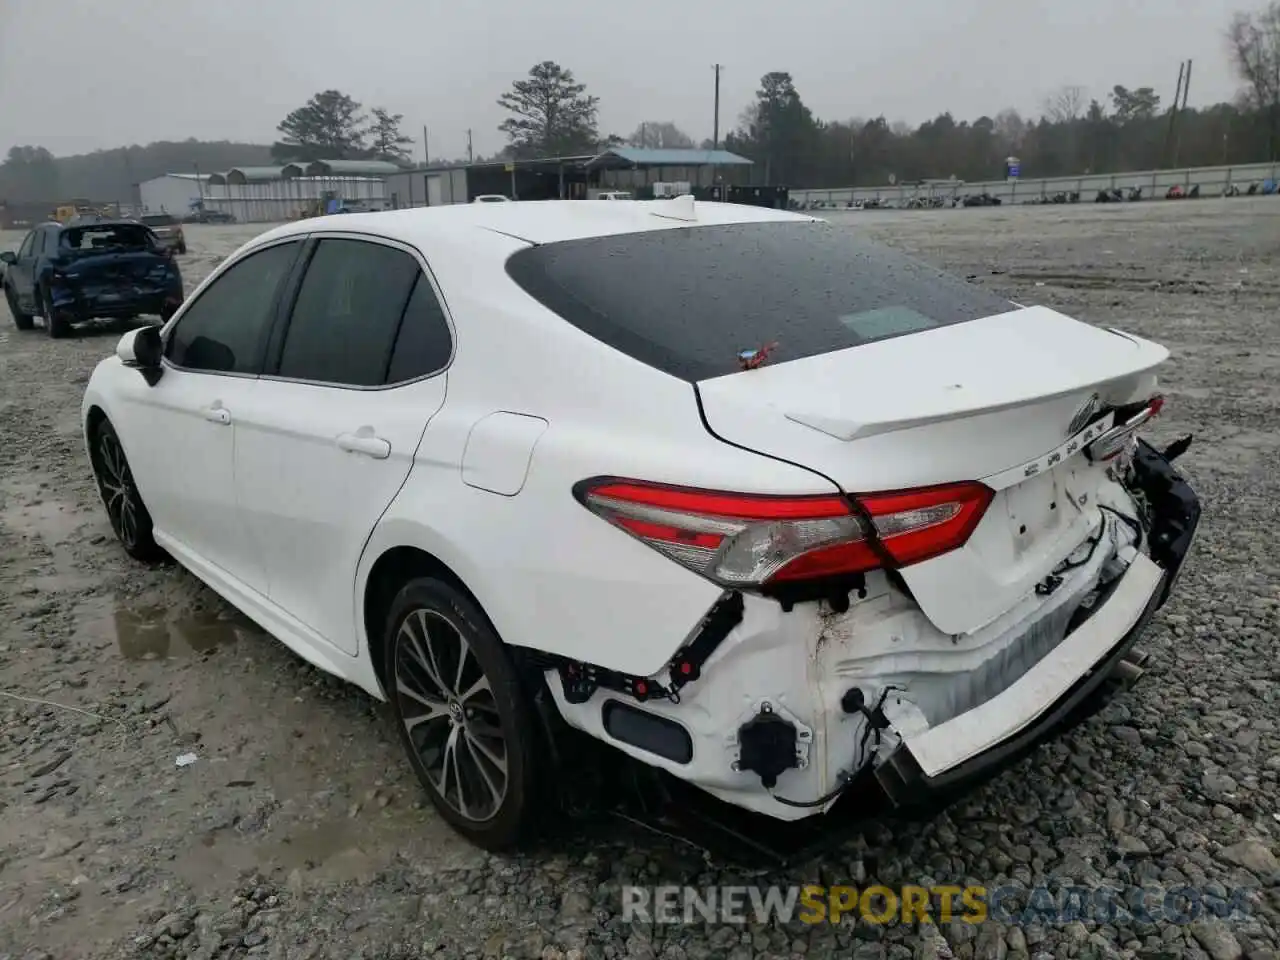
550, 113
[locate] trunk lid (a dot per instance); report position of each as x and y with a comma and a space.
1003, 399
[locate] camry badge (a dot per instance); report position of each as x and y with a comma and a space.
1080, 419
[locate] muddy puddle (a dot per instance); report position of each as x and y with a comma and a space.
153, 633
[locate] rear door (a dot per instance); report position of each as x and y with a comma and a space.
329, 436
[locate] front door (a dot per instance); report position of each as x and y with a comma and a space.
328, 437
21, 275
180, 435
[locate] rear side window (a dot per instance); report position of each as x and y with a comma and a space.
348, 312
688, 300
425, 343
224, 330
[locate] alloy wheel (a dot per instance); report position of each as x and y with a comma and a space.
450, 714
116, 482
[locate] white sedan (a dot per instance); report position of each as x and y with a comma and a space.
763, 505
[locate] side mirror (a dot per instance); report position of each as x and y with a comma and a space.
142, 349
8, 256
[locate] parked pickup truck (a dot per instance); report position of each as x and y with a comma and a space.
70, 274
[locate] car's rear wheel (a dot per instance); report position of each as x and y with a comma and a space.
55, 322
129, 518
462, 714
21, 320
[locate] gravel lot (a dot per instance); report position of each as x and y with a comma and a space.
298, 831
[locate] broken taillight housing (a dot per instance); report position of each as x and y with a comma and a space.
748, 540
1120, 437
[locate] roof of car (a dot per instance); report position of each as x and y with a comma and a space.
86, 222
540, 221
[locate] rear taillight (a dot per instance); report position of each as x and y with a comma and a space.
744, 540
1116, 440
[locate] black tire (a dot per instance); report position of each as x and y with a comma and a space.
129, 518
54, 324
489, 727
182, 249
23, 321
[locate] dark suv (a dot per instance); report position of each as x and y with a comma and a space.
82, 271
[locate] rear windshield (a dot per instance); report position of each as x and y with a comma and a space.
159, 220
689, 301
116, 236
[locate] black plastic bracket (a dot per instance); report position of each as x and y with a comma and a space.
724, 616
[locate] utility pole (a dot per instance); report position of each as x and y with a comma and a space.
426, 155
715, 129
1173, 111
470, 154
1177, 135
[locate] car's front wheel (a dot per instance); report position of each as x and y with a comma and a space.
21, 320
462, 714
129, 518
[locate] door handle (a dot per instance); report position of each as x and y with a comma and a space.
217, 414
366, 443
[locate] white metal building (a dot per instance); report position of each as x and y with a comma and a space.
271, 194
172, 193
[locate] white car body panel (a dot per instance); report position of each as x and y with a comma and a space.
312, 486
181, 445
960, 402
285, 522
499, 450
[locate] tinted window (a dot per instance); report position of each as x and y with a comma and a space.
687, 301
158, 220
347, 313
224, 329
28, 245
424, 343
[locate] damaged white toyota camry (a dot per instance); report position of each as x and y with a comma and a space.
776, 512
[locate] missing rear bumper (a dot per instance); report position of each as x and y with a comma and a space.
911, 777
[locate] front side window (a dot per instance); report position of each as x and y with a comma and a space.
28, 246
348, 312
225, 329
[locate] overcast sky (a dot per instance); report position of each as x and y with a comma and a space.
78, 75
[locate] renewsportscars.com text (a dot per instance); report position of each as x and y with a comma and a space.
937, 904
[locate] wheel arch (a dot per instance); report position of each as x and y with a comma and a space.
394, 567
94, 416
